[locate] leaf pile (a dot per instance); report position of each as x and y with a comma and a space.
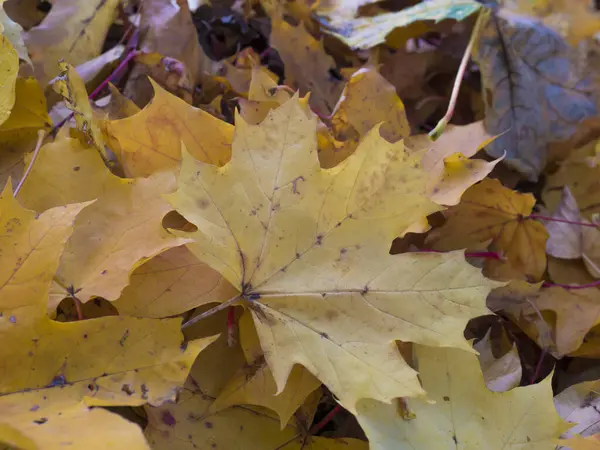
225, 225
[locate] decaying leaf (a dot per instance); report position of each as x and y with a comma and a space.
573, 314
489, 211
533, 90
73, 31
14, 33
500, 374
302, 244
465, 413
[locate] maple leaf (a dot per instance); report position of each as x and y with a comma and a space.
527, 98
18, 133
151, 139
574, 313
296, 46
14, 33
115, 234
500, 374
465, 413
307, 248
254, 384
578, 404
367, 32
489, 211
570, 236
10, 60
580, 173
172, 283
141, 359
73, 31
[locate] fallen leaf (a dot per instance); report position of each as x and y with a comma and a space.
253, 384
10, 60
447, 160
18, 134
582, 178
115, 235
151, 139
166, 29
73, 31
578, 404
141, 359
14, 33
65, 172
526, 97
368, 100
70, 86
367, 32
500, 374
171, 283
296, 46
574, 314
293, 239
465, 413
568, 239
489, 211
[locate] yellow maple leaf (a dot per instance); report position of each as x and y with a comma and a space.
48, 368
465, 413
367, 100
10, 60
490, 211
172, 283
151, 139
254, 384
83, 175
73, 31
116, 234
307, 249
296, 46
18, 133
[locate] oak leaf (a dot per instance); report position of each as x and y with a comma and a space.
465, 414
490, 211
307, 248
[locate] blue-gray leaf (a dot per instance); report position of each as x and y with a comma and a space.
532, 90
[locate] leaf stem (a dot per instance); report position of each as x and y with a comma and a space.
38, 146
231, 327
553, 219
538, 366
325, 420
211, 311
593, 284
441, 125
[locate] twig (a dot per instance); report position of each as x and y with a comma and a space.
325, 420
441, 125
211, 311
593, 284
38, 146
553, 219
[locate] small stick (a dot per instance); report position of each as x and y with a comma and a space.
38, 146
441, 125
211, 311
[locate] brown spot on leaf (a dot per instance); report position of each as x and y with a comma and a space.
208, 424
202, 203
168, 419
